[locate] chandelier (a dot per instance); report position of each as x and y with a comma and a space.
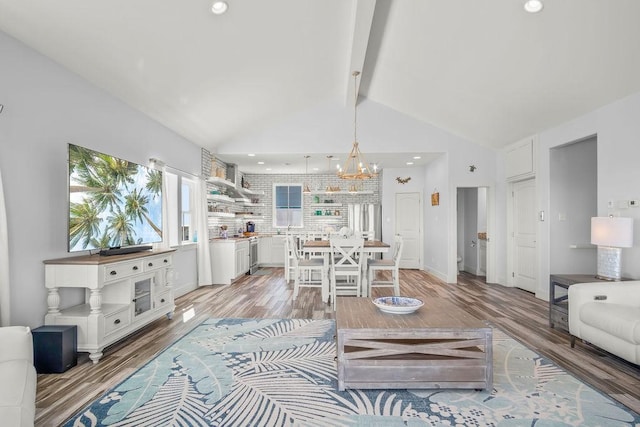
356, 167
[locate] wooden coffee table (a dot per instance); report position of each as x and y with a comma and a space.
438, 346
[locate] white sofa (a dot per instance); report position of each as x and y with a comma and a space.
607, 314
17, 377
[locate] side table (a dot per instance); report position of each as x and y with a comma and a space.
559, 296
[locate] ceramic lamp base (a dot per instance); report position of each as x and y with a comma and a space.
609, 263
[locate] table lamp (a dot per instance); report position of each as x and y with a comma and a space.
611, 234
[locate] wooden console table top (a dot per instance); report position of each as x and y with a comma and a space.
98, 259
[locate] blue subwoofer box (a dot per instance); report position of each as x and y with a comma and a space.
54, 348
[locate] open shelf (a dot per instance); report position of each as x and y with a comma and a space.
220, 198
325, 205
249, 192
221, 214
340, 192
221, 181
249, 216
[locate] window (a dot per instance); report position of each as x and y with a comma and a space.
187, 193
287, 206
180, 211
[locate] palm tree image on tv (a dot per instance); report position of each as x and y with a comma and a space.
112, 202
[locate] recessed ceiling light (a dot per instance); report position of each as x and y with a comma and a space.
416, 157
261, 163
219, 7
251, 155
409, 163
533, 6
268, 169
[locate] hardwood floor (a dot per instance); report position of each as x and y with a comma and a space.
517, 312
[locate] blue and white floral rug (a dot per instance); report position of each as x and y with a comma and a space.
282, 372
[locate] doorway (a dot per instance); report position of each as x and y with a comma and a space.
409, 226
523, 235
471, 254
573, 202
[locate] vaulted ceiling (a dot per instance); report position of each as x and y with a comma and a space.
482, 69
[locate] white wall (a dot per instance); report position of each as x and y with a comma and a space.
436, 219
329, 128
618, 129
46, 107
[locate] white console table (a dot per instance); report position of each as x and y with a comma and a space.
123, 293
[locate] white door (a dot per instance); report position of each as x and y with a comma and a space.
524, 235
409, 226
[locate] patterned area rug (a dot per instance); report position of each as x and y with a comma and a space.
282, 372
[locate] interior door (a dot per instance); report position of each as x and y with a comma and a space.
409, 226
524, 235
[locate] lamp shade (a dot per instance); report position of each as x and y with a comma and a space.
614, 232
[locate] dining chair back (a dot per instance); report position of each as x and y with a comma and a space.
310, 236
392, 265
289, 257
346, 267
304, 269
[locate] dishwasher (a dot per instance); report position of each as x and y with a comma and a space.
253, 254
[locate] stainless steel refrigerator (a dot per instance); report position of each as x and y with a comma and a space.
365, 217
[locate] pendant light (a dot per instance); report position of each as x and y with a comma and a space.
306, 188
356, 167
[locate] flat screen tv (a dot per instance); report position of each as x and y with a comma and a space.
114, 205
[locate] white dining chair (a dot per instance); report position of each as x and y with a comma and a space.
310, 236
303, 269
289, 267
392, 265
346, 267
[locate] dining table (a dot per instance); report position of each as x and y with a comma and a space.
324, 247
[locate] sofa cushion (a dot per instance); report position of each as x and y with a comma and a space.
17, 401
622, 321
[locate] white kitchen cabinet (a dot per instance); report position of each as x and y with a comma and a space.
229, 260
271, 250
277, 249
264, 249
123, 293
242, 257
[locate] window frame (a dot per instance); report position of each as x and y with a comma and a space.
175, 213
275, 207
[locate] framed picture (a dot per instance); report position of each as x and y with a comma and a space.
435, 199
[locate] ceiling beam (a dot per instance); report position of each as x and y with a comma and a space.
362, 19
